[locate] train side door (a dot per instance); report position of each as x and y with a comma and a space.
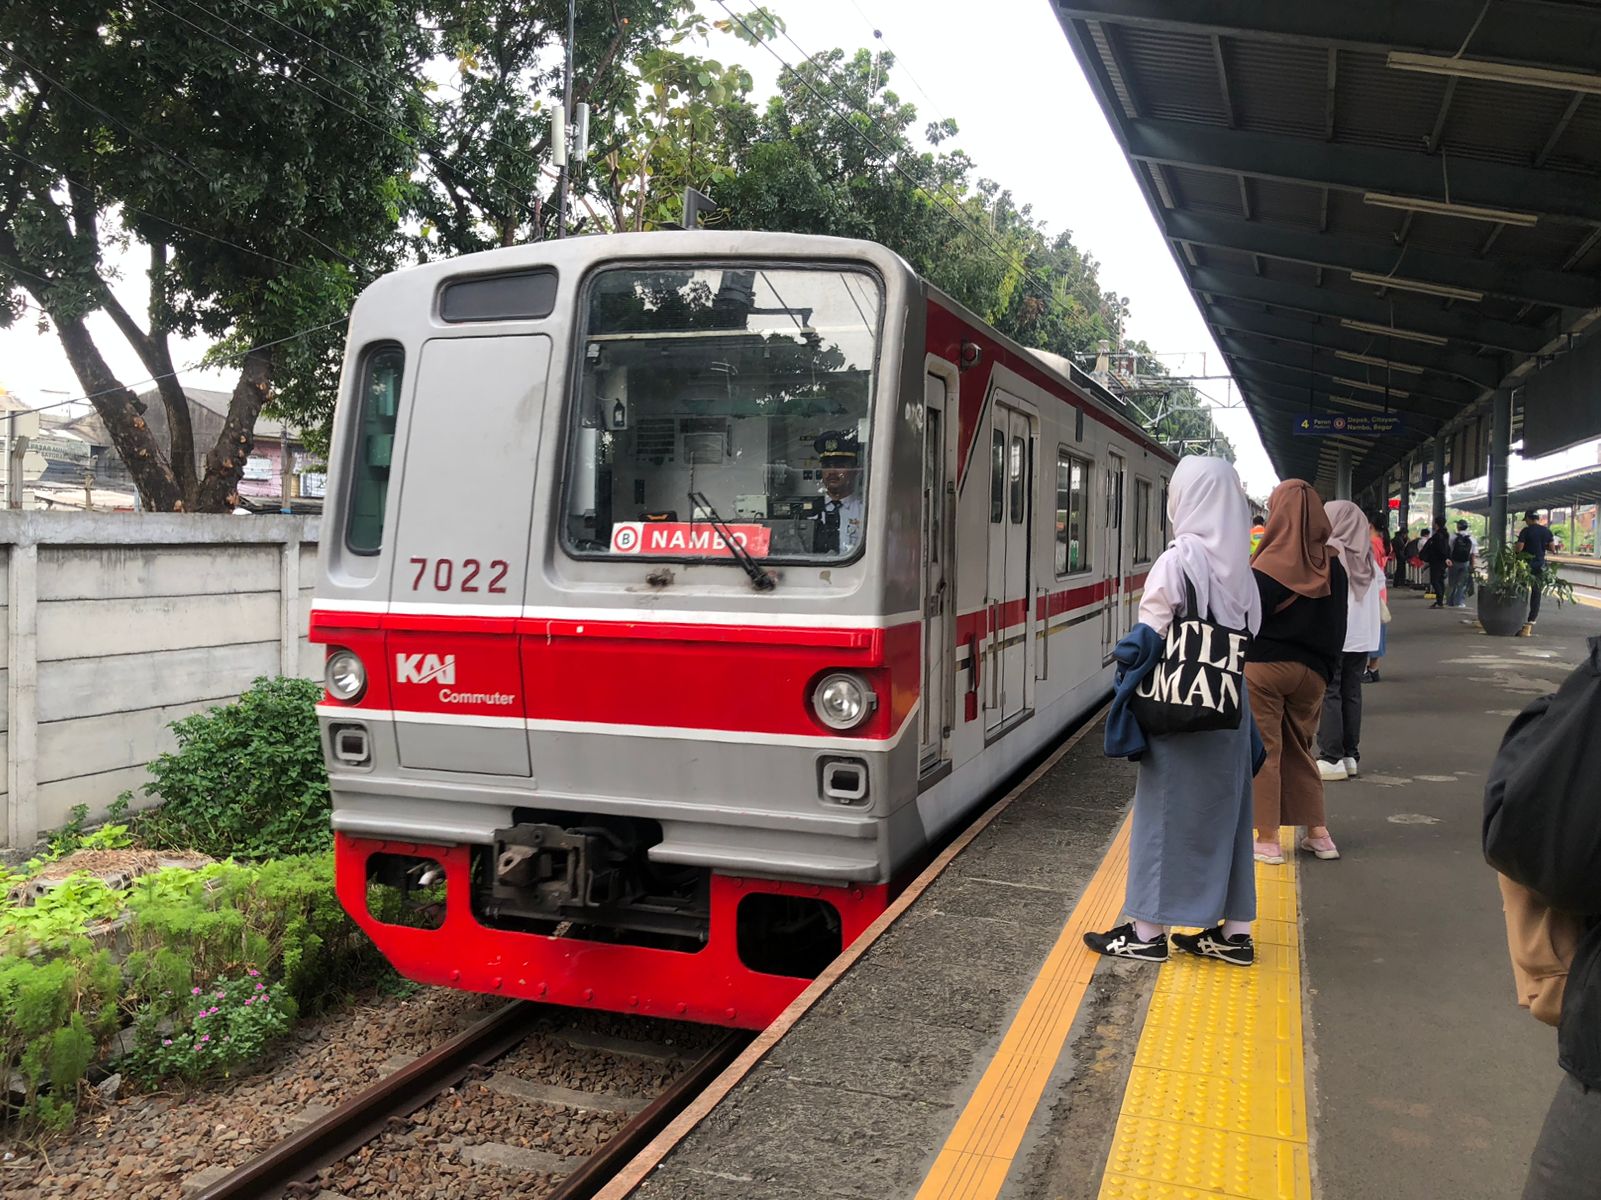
935, 718
1011, 618
461, 547
1112, 629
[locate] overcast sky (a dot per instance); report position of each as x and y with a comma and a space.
1027, 119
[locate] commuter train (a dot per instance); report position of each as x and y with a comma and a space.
681, 590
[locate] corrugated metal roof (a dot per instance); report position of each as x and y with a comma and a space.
1259, 129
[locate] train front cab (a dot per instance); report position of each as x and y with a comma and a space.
599, 752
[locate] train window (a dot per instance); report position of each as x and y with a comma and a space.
710, 396
523, 296
379, 393
997, 477
1142, 521
1072, 506
1019, 477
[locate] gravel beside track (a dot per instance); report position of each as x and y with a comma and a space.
151, 1145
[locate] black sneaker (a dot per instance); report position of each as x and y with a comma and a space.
1123, 942
1210, 943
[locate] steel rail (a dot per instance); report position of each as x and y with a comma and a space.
289, 1164
599, 1168
351, 1125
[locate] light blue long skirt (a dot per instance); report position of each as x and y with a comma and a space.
1190, 852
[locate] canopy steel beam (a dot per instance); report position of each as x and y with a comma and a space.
1296, 378
1298, 328
1548, 35
1493, 277
1469, 330
1322, 362
1474, 181
1287, 398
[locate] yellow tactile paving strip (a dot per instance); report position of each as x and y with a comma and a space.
1216, 1099
979, 1152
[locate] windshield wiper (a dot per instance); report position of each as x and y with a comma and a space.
762, 581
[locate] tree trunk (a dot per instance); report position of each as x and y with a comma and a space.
225, 462
119, 409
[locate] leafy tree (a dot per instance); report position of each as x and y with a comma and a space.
266, 171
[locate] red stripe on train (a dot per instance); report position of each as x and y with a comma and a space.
737, 679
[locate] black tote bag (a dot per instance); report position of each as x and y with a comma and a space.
1198, 684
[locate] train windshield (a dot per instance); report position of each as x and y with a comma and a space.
718, 404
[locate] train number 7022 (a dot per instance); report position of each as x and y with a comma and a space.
444, 579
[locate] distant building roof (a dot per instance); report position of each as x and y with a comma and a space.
1583, 485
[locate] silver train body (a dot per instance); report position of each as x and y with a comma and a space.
681, 590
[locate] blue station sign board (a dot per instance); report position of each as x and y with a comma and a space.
1351, 425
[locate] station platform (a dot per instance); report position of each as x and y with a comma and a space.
974, 1048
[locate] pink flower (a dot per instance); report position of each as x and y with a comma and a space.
252, 972
261, 987
222, 995
249, 1000
166, 1041
205, 1037
194, 991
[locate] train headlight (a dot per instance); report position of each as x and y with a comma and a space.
843, 701
344, 676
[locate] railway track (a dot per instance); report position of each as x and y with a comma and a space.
292, 1166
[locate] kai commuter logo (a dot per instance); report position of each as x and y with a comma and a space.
425, 668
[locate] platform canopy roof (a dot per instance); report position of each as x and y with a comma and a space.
1582, 487
1382, 207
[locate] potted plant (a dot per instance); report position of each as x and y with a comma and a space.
1504, 588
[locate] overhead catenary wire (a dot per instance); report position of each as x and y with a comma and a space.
930, 187
194, 366
422, 138
154, 216
957, 216
146, 138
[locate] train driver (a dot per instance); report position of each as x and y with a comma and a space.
839, 524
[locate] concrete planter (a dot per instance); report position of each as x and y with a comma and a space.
1500, 614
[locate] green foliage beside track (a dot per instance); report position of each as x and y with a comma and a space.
185, 935
247, 779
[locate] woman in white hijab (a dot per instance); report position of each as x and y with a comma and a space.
1340, 732
1190, 848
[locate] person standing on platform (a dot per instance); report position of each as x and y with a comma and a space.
1381, 554
1533, 542
1290, 662
1258, 528
1340, 732
1464, 550
1542, 832
1436, 554
1190, 845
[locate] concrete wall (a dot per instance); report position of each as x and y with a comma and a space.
115, 625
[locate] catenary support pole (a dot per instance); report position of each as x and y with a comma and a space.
1500, 444
567, 113
1342, 476
1439, 479
1404, 513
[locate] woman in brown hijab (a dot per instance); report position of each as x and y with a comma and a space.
1290, 661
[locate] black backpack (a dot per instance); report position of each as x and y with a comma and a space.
1461, 548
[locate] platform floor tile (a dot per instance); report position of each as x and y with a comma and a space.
1216, 1099
979, 1153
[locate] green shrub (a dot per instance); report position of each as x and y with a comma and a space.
281, 916
54, 1013
247, 778
220, 1027
58, 917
